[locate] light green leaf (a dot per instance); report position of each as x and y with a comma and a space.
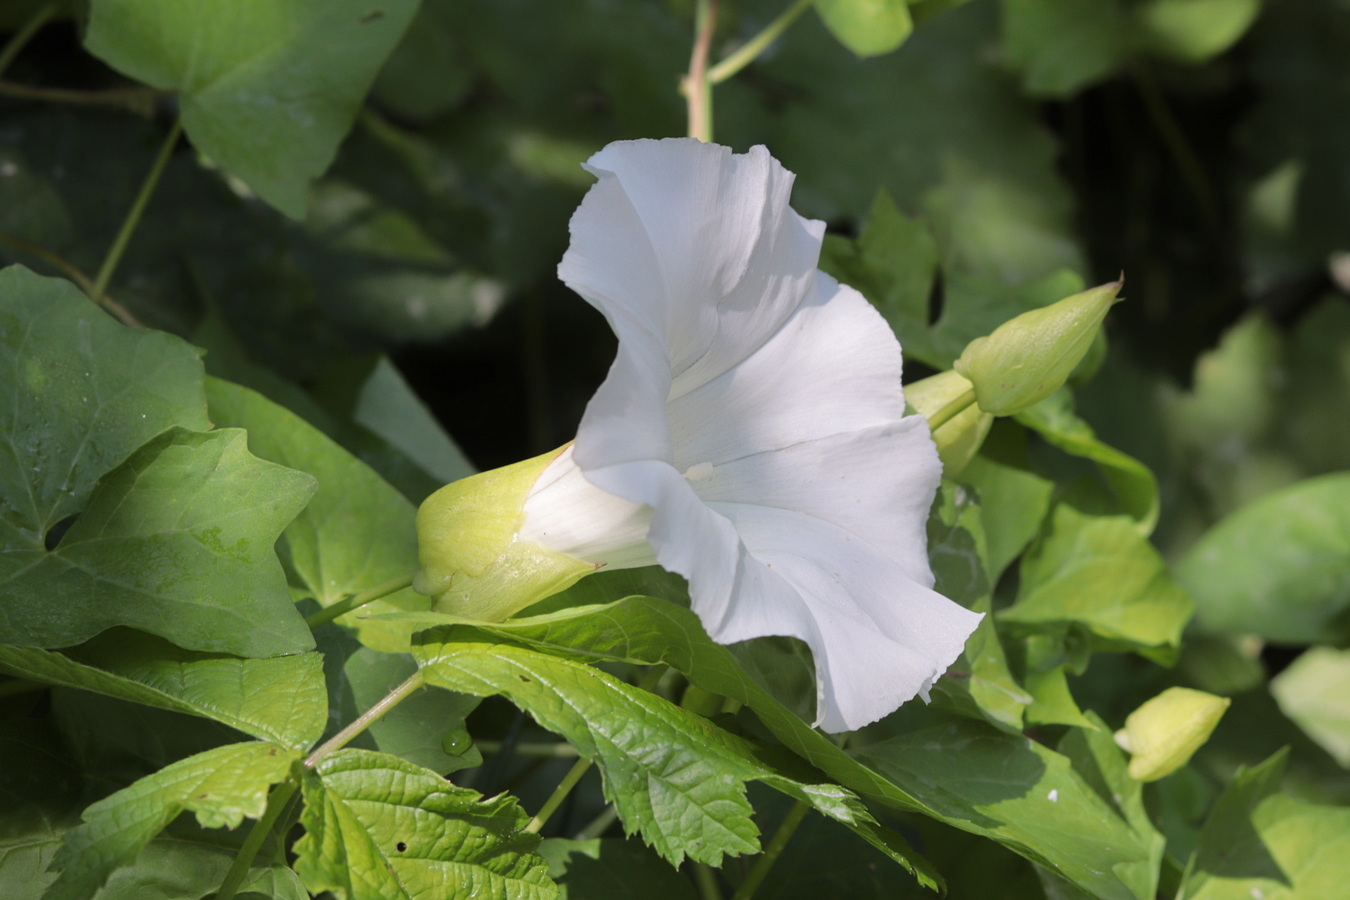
1052, 703
1134, 484
671, 775
268, 88
1098, 571
381, 828
1060, 47
867, 27
1315, 692
1193, 30
356, 533
1258, 842
1021, 794
613, 869
221, 786
176, 541
1279, 567
1013, 498
85, 392
279, 699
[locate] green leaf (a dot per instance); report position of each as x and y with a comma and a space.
1134, 484
279, 699
1193, 30
175, 869
1098, 571
1051, 701
1061, 48
1021, 794
176, 541
267, 88
1279, 567
381, 828
1258, 842
671, 775
612, 869
1315, 692
357, 532
85, 393
867, 27
1013, 499
221, 786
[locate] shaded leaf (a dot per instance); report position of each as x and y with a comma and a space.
221, 786
612, 869
267, 89
1315, 692
381, 828
176, 541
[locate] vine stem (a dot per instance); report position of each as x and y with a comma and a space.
355, 601
119, 312
367, 718
771, 853
951, 410
243, 860
40, 17
695, 86
133, 218
751, 49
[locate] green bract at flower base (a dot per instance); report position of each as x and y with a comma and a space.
1163, 734
473, 564
959, 425
1028, 358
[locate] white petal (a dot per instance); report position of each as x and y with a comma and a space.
833, 367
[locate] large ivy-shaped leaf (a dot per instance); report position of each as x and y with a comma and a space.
279, 699
222, 787
268, 88
176, 541
381, 828
673, 776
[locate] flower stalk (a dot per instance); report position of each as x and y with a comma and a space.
751, 49
695, 85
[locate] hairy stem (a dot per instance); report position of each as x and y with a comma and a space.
751, 49
367, 718
355, 601
771, 853
133, 218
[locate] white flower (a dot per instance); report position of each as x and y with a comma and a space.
750, 435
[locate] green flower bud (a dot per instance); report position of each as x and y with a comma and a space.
1162, 735
948, 399
473, 563
1028, 358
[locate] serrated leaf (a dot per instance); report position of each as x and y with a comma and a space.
381, 828
1098, 571
867, 27
1279, 567
221, 787
85, 392
1134, 484
671, 775
268, 88
176, 541
357, 531
280, 699
1021, 794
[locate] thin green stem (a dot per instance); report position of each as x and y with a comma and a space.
71, 271
355, 601
367, 718
695, 86
1192, 169
771, 853
276, 804
751, 49
951, 410
569, 781
599, 825
136, 99
706, 882
133, 218
542, 748
25, 34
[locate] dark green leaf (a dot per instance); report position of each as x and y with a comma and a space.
268, 88
176, 541
381, 828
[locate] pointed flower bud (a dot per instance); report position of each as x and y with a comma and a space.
1162, 735
1028, 358
947, 401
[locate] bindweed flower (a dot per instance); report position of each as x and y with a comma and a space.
751, 434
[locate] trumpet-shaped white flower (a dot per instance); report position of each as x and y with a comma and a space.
751, 433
